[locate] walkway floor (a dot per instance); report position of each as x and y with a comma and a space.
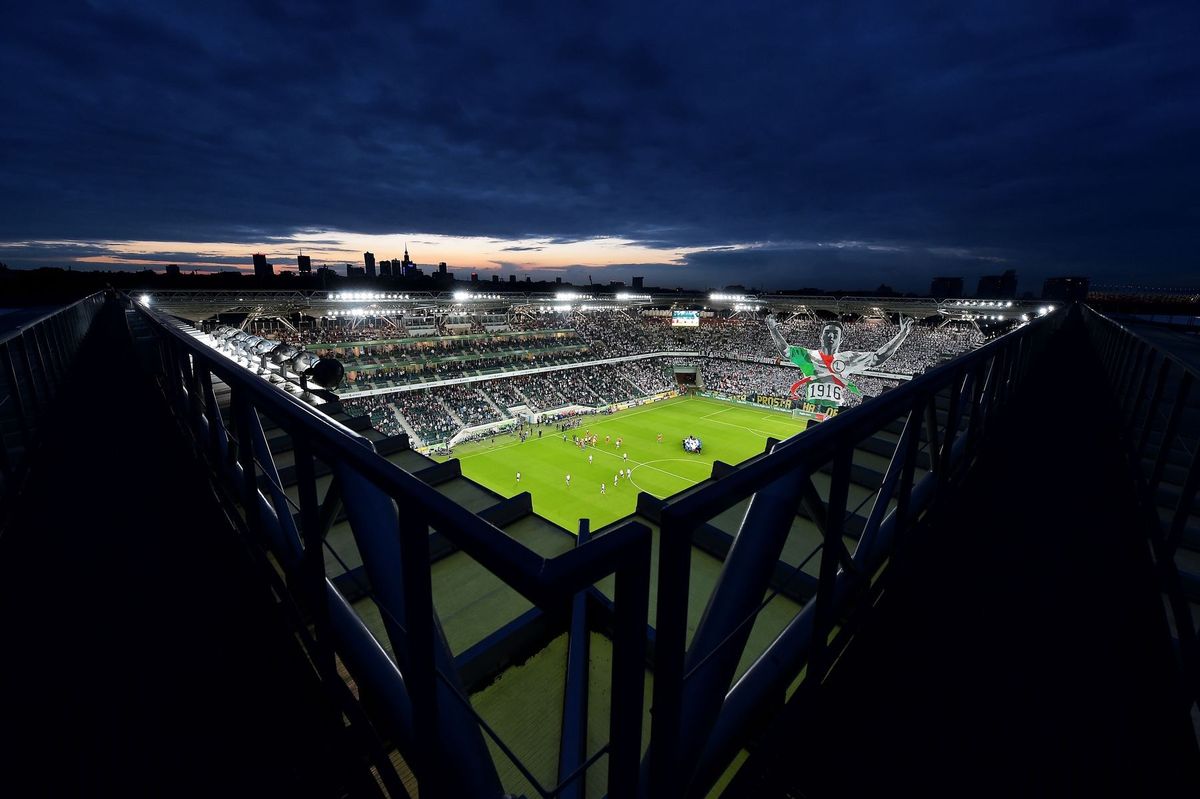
142, 654
1021, 649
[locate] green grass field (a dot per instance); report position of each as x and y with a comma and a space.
731, 433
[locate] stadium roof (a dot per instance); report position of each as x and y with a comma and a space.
198, 305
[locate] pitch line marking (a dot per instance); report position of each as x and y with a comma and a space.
639, 464
647, 464
743, 427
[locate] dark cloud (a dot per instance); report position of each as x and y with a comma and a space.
1049, 137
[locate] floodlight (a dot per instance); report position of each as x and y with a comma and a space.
325, 372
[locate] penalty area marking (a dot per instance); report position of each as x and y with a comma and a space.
743, 427
786, 421
649, 465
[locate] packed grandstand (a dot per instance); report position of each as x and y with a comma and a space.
553, 364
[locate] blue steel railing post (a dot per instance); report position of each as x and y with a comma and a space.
312, 565
931, 436
629, 670
25, 426
953, 416
1129, 368
907, 476
831, 547
670, 644
62, 346
43, 370
573, 749
420, 677
37, 400
975, 425
1121, 347
1171, 430
240, 409
196, 402
218, 435
1152, 411
1144, 366
46, 366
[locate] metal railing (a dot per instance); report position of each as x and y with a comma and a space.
1158, 398
35, 359
701, 715
416, 699
931, 427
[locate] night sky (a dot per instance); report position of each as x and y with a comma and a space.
770, 144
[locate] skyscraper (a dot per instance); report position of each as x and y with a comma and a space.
262, 269
385, 268
304, 264
407, 267
369, 263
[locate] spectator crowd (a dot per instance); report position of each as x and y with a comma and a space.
737, 358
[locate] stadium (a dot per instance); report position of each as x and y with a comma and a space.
592, 544
499, 385
563, 417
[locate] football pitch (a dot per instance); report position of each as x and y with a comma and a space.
730, 433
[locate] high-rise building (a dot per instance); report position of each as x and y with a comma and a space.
943, 287
474, 277
304, 264
637, 282
369, 263
172, 270
442, 269
385, 268
998, 287
262, 269
1066, 289
407, 267
355, 271
512, 278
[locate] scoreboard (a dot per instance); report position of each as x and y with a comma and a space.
685, 319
